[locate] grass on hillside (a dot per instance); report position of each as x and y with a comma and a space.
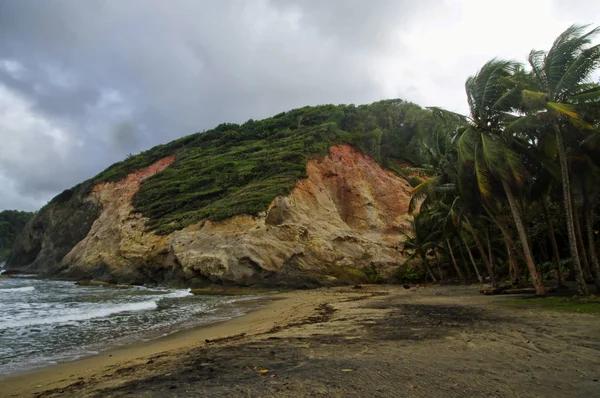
576, 304
239, 169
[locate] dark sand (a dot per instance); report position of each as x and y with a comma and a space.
376, 341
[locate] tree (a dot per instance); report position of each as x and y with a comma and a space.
423, 237
492, 96
561, 76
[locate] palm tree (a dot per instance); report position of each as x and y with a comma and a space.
561, 76
492, 98
424, 236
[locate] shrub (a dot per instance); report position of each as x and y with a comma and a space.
409, 273
372, 275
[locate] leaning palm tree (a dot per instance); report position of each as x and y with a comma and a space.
562, 78
492, 98
424, 236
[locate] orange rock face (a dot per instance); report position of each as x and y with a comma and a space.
366, 196
346, 215
117, 239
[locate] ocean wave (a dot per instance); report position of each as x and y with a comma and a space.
18, 289
82, 314
179, 294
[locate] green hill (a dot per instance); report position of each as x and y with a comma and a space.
239, 169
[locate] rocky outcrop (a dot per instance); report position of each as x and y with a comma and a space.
53, 232
344, 216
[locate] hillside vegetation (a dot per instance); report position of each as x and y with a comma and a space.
11, 223
239, 169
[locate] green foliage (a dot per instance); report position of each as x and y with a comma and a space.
581, 305
409, 273
348, 274
414, 181
239, 169
372, 275
11, 223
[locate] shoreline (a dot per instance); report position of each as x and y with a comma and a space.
65, 373
247, 304
369, 340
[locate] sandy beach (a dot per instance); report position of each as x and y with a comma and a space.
383, 341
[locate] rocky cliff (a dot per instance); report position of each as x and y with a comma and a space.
345, 216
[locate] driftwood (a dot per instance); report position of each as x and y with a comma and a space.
488, 289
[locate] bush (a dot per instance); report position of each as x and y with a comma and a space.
414, 181
409, 273
372, 275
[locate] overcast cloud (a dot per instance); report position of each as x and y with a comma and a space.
84, 83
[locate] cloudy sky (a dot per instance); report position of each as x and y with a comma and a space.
84, 83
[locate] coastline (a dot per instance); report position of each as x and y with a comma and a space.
63, 374
371, 340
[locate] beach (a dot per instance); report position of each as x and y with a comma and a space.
369, 340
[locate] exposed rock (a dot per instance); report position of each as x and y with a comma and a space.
94, 283
52, 233
347, 214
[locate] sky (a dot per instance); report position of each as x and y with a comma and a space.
85, 83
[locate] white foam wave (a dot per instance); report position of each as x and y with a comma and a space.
179, 293
82, 314
18, 289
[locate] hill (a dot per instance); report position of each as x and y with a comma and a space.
228, 171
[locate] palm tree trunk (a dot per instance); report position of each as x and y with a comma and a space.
552, 237
516, 213
439, 264
486, 260
458, 271
585, 265
489, 245
566, 186
426, 264
464, 261
473, 261
508, 238
512, 267
589, 226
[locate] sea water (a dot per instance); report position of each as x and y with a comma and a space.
45, 322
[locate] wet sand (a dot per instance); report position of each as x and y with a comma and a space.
382, 341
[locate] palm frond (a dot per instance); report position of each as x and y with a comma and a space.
578, 72
536, 60
482, 174
565, 50
590, 94
466, 145
563, 109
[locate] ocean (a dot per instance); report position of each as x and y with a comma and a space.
44, 322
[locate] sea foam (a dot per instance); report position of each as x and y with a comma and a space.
82, 314
18, 289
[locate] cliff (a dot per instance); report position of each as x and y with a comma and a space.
345, 215
12, 223
300, 199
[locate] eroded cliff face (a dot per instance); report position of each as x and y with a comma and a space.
346, 215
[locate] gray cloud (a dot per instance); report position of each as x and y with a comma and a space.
82, 84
